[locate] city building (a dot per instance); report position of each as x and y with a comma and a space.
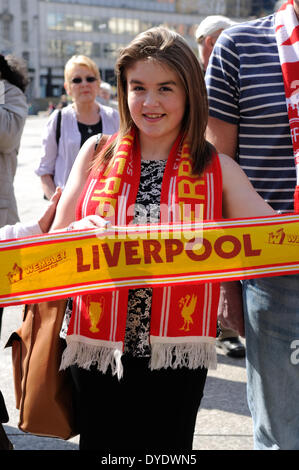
46, 33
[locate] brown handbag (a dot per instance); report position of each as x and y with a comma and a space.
43, 393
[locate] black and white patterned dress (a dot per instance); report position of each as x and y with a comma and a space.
147, 210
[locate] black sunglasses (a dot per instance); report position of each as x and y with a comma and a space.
79, 79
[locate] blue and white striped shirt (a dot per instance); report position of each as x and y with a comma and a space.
245, 87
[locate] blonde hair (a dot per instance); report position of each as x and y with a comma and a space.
169, 48
81, 60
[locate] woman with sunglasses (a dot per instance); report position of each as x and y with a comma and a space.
80, 120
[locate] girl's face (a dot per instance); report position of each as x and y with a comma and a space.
82, 85
156, 99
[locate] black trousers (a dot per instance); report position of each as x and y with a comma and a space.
145, 411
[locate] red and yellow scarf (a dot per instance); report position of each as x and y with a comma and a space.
183, 318
287, 36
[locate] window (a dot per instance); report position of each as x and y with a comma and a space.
24, 6
63, 49
25, 33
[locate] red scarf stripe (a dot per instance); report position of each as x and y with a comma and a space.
210, 198
165, 310
114, 311
77, 308
122, 216
207, 308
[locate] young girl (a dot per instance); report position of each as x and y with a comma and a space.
140, 377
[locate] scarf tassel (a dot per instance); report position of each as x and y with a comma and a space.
86, 355
190, 355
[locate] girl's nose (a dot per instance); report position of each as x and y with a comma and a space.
150, 99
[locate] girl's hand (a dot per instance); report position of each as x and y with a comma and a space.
89, 222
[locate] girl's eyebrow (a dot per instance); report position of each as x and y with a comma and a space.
139, 82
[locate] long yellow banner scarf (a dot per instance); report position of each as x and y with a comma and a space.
67, 263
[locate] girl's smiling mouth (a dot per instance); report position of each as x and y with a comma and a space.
153, 116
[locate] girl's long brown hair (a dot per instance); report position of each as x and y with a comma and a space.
166, 47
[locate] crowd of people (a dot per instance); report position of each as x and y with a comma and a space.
227, 108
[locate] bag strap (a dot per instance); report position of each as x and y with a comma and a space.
101, 141
98, 139
58, 126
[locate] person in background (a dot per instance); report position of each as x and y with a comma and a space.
206, 35
63, 102
249, 122
51, 108
105, 93
13, 112
81, 119
128, 375
228, 340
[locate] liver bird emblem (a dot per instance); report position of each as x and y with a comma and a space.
187, 305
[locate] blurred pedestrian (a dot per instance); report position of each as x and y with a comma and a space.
231, 302
63, 102
105, 93
51, 108
81, 119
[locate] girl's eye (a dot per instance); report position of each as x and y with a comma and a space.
138, 88
165, 88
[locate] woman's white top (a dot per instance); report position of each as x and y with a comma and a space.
59, 161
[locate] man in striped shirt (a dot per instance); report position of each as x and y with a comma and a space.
228, 340
249, 121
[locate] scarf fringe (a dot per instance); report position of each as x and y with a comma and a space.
163, 355
86, 355
191, 355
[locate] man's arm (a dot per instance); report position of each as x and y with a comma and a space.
223, 135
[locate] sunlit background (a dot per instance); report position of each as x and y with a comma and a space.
46, 33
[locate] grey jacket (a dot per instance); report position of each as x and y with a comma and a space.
13, 113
